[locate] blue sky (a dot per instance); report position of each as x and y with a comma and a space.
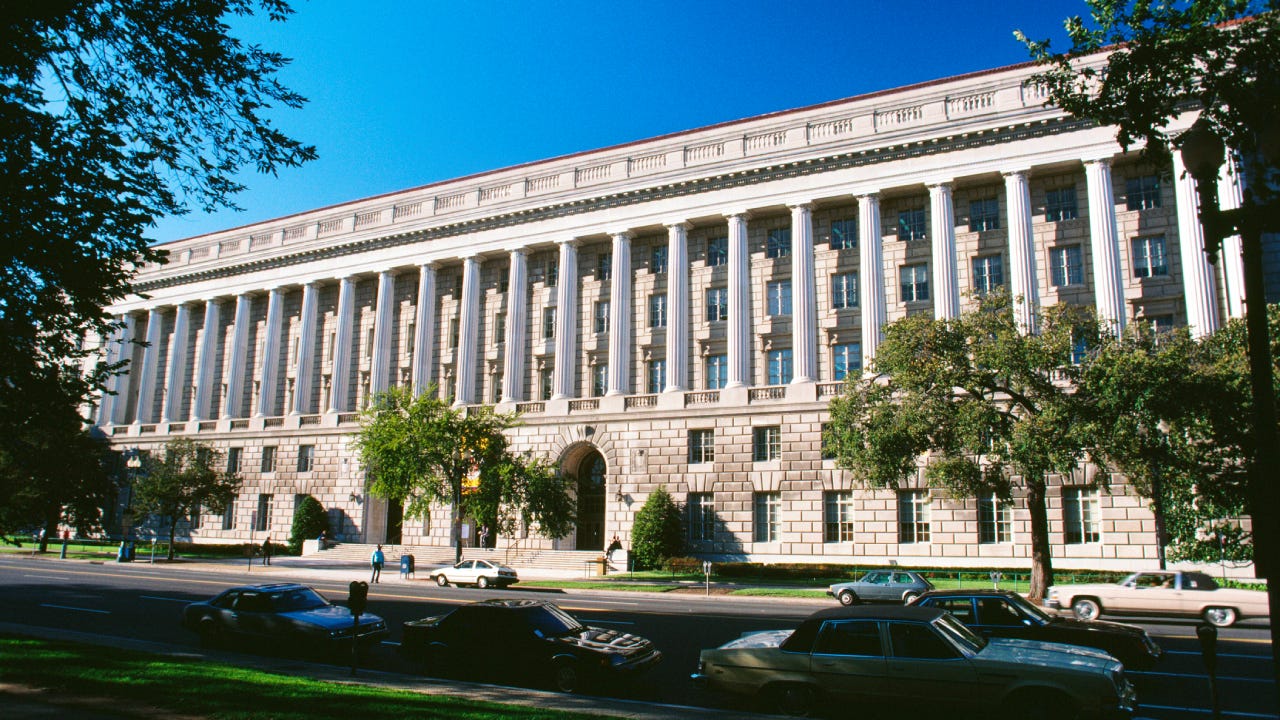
407, 93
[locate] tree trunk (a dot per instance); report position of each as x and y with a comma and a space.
1041, 558
457, 521
173, 531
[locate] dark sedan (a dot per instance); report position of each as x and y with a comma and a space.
999, 613
525, 639
287, 615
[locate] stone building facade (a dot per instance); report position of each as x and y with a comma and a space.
674, 312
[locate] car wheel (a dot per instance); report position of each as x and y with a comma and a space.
908, 597
211, 634
442, 581
1086, 608
565, 676
847, 597
1220, 616
482, 582
794, 699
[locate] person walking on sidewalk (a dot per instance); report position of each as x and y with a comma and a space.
266, 551
377, 560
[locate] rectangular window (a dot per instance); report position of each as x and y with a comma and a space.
504, 283
306, 457
702, 446
604, 266
1067, 265
1060, 204
844, 291
844, 234
602, 317
264, 512
702, 517
453, 333
1149, 259
1079, 349
548, 323
658, 310
1160, 324
499, 328
717, 251
717, 371
229, 515
658, 262
657, 376
233, 460
717, 304
846, 358
778, 295
984, 214
767, 505
837, 516
1142, 193
545, 376
913, 516
197, 515
766, 443
599, 380
778, 243
995, 520
1080, 515
915, 282
780, 366
988, 274
268, 459
495, 391
553, 273
911, 224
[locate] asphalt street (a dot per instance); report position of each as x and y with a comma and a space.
140, 603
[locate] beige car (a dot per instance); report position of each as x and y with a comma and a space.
1161, 592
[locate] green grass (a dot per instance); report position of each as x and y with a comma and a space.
194, 687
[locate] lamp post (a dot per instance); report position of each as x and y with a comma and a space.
1203, 153
133, 463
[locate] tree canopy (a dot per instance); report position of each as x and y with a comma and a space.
184, 481
422, 452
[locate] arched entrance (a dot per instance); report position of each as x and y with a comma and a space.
590, 477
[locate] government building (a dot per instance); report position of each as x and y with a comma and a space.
674, 312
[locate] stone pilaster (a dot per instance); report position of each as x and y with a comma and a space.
206, 359
804, 309
1197, 273
1108, 291
232, 404
147, 373
176, 367
677, 308
383, 319
513, 351
871, 276
1022, 261
739, 330
339, 386
620, 317
270, 373
566, 323
946, 300
302, 375
468, 332
424, 323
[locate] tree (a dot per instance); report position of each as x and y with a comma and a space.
113, 113
658, 531
422, 452
184, 481
309, 520
983, 405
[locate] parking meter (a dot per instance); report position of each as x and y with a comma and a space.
1208, 636
358, 597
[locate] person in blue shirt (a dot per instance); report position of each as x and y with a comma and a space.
377, 561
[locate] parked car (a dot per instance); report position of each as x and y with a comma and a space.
287, 615
1000, 613
525, 639
916, 657
881, 586
481, 573
1161, 592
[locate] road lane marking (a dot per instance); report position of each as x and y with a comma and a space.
166, 599
1221, 655
1190, 676
1258, 641
51, 577
1202, 711
611, 622
77, 609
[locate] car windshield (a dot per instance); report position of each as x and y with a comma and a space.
1029, 608
962, 636
551, 621
297, 599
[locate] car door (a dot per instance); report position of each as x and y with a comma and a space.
961, 607
1148, 592
924, 668
251, 615
462, 572
873, 586
848, 659
996, 617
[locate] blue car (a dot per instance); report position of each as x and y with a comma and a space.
286, 615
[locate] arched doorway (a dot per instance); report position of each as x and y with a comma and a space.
590, 476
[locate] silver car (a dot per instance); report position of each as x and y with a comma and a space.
881, 586
481, 573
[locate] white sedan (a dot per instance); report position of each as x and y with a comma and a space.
481, 573
1160, 592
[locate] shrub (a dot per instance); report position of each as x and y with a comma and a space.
658, 532
309, 520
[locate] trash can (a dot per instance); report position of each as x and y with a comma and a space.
406, 566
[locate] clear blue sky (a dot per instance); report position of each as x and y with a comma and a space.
407, 93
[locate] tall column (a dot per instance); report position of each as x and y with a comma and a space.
620, 317
513, 355
176, 367
739, 330
1022, 248
468, 332
1197, 273
804, 308
1231, 256
677, 307
424, 323
1104, 245
147, 374
871, 274
115, 405
341, 369
232, 404
946, 301
302, 375
566, 323
383, 319
270, 354
206, 357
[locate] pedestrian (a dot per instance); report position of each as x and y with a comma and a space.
377, 560
266, 551
484, 536
323, 540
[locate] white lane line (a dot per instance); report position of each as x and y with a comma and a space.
1190, 676
1202, 711
611, 622
77, 609
166, 599
392, 643
51, 577
1221, 655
